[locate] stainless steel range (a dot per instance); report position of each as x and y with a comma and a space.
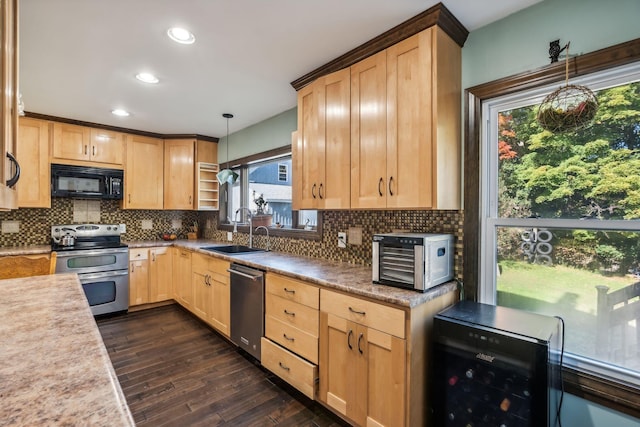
96, 253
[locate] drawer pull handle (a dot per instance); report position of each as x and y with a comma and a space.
289, 313
362, 313
360, 339
287, 338
290, 291
286, 368
349, 335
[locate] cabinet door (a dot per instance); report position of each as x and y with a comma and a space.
384, 359
410, 167
368, 132
183, 290
138, 282
8, 99
201, 294
308, 148
334, 135
71, 142
220, 312
34, 187
143, 173
107, 146
160, 274
338, 359
179, 170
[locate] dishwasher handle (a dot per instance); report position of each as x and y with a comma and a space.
248, 276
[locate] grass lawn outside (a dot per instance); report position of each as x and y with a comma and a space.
571, 294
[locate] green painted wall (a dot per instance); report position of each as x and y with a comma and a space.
274, 132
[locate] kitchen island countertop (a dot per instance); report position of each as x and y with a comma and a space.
54, 368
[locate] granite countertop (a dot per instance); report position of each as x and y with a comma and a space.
54, 368
351, 278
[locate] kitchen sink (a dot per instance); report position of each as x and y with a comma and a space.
232, 249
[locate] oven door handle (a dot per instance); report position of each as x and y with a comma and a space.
85, 253
102, 275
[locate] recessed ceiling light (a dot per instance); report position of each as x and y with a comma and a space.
181, 35
147, 78
120, 112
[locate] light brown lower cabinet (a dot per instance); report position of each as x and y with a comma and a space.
182, 286
374, 359
150, 275
211, 292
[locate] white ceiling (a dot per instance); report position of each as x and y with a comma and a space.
78, 58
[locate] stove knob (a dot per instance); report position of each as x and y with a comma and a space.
108, 227
115, 228
56, 229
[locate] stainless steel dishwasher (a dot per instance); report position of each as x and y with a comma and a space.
247, 308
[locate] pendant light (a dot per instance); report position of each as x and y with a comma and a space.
227, 175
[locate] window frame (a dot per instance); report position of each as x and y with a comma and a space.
243, 163
597, 388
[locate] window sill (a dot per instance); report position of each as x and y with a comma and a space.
608, 393
294, 233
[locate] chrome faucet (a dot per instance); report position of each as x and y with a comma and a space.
249, 218
265, 229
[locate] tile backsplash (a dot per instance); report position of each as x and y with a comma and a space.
35, 228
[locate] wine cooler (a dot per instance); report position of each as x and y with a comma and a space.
494, 366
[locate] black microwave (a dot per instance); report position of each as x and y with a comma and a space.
83, 182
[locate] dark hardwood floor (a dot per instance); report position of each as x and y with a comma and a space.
176, 371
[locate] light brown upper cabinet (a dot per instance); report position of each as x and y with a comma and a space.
181, 157
143, 173
82, 145
179, 170
32, 152
8, 102
405, 127
321, 148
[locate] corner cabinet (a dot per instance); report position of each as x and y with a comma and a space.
321, 144
8, 103
182, 287
143, 173
374, 358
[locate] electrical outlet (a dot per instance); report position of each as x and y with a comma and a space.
10, 226
176, 224
147, 224
229, 236
355, 235
342, 239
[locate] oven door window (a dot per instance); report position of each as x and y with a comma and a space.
91, 261
100, 292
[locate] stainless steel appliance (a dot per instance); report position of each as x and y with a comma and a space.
416, 261
86, 182
97, 254
247, 308
495, 366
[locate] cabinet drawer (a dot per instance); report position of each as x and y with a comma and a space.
294, 339
293, 290
219, 266
292, 313
138, 254
294, 370
376, 316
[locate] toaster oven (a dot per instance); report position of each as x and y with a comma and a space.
416, 261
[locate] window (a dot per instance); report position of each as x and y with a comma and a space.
283, 172
264, 188
560, 229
